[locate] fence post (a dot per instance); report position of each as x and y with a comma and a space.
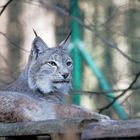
77, 77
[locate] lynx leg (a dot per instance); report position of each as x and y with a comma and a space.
70, 111
22, 138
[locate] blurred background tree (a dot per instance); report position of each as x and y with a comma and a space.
109, 31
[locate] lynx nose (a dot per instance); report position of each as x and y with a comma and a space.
65, 75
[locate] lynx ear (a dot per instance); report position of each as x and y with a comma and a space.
65, 43
38, 47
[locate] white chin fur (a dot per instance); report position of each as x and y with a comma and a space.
44, 86
62, 88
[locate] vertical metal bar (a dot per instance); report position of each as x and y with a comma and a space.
77, 74
102, 81
75, 52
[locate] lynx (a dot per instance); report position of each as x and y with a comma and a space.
40, 90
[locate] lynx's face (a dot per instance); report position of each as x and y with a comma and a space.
49, 69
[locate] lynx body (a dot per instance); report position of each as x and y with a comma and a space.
39, 92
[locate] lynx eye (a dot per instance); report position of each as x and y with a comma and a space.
69, 63
52, 63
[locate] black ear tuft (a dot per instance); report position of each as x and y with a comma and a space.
34, 32
65, 43
68, 37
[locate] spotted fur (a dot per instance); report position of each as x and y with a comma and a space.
39, 92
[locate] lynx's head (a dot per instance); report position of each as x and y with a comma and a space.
49, 69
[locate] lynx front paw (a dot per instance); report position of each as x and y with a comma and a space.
100, 117
104, 117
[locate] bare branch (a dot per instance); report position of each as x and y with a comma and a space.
5, 6
81, 92
119, 96
14, 44
90, 27
126, 98
115, 47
